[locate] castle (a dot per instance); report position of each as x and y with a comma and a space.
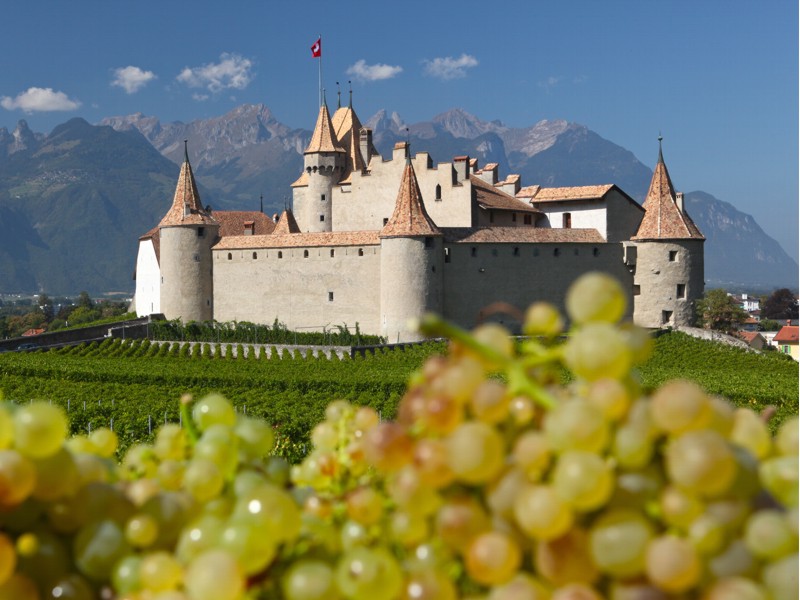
378, 242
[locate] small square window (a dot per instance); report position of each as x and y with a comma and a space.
447, 255
321, 218
333, 252
201, 232
681, 290
330, 296
322, 197
637, 289
516, 251
473, 251
385, 220
361, 252
666, 317
673, 255
513, 217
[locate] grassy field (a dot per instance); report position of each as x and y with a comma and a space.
136, 387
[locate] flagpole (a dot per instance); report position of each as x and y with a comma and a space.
320, 70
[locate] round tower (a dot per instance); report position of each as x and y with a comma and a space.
324, 161
412, 256
670, 271
187, 233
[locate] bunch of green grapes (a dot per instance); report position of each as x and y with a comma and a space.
496, 482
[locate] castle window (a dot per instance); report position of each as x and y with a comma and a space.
513, 217
201, 232
196, 258
438, 192
474, 251
428, 242
556, 252
666, 317
447, 255
680, 292
516, 250
330, 296
595, 251
322, 197
567, 220
673, 255
321, 218
280, 254
230, 256
305, 253
255, 255
385, 220
361, 252
333, 252
637, 289
526, 219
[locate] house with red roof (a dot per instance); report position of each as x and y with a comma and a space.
787, 341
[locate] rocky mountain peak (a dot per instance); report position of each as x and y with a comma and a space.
461, 124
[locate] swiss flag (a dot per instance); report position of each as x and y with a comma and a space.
316, 48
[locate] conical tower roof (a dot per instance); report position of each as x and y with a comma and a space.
663, 218
347, 129
409, 219
323, 139
286, 224
186, 209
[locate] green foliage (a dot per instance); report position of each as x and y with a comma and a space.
781, 305
719, 312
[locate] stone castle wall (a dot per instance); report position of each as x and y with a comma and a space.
187, 290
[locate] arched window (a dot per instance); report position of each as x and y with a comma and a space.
230, 256
280, 254
255, 255
333, 252
438, 192
361, 252
305, 253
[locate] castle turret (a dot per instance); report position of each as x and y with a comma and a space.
187, 233
411, 263
325, 163
668, 264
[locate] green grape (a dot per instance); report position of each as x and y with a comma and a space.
353, 535
632, 447
324, 436
365, 506
597, 351
778, 475
735, 588
42, 556
408, 491
672, 563
521, 587
39, 429
618, 541
430, 459
680, 406
780, 578
490, 402
170, 442
56, 476
141, 531
272, 510
532, 453
496, 337
492, 558
768, 536
595, 297
735, 560
476, 452
428, 584
198, 536
8, 558
97, 547
214, 575
785, 441
408, 529
387, 446
610, 396
159, 571
17, 478
309, 580
575, 591
541, 513
93, 469
337, 410
170, 511
255, 437
203, 479
702, 462
6, 427
19, 587
105, 441
708, 534
213, 410
501, 493
252, 547
219, 445
169, 474
566, 559
679, 507
72, 587
583, 480
368, 574
576, 425
542, 319
459, 520
750, 432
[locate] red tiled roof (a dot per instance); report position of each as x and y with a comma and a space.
286, 224
154, 235
300, 240
521, 235
323, 139
537, 193
232, 222
409, 217
488, 196
787, 335
663, 219
748, 336
186, 195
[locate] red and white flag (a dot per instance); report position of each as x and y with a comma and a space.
316, 48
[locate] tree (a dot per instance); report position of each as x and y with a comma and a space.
46, 305
719, 312
780, 305
85, 301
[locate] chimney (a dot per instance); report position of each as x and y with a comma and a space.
461, 164
365, 143
400, 151
489, 173
679, 201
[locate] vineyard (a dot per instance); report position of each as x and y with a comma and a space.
134, 386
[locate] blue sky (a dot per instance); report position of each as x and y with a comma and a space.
719, 79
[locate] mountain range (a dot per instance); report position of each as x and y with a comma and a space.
74, 202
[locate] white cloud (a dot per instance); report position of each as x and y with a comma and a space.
449, 67
132, 79
200, 97
232, 71
550, 83
364, 72
39, 100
